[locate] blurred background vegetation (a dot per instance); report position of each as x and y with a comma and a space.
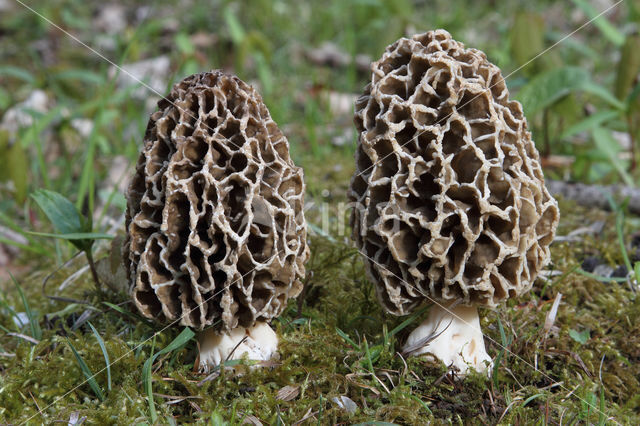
72, 122
309, 60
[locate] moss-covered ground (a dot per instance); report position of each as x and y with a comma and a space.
339, 359
543, 375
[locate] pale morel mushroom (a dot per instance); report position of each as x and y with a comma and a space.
216, 237
450, 202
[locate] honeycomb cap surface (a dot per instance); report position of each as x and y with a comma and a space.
215, 226
449, 195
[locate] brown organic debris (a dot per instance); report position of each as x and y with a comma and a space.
288, 393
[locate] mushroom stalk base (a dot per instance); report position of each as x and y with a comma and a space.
453, 336
260, 344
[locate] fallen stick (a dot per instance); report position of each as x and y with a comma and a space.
596, 195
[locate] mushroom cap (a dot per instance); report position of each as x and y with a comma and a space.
449, 195
215, 228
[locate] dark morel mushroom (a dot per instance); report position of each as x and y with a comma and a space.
216, 236
450, 202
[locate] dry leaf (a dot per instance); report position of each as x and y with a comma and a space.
251, 420
288, 393
345, 403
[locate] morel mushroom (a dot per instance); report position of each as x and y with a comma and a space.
216, 236
450, 202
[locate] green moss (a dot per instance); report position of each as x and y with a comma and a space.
313, 356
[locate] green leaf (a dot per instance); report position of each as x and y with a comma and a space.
610, 147
91, 378
580, 337
16, 72
105, 354
184, 44
79, 74
606, 28
60, 211
65, 219
235, 28
182, 339
572, 43
547, 88
594, 120
603, 93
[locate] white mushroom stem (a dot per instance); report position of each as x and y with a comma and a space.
259, 342
452, 335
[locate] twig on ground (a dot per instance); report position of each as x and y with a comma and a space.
596, 195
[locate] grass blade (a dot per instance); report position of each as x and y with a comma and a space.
182, 339
91, 379
620, 234
368, 356
34, 244
409, 320
590, 122
18, 73
104, 353
147, 383
607, 29
29, 248
346, 337
421, 402
34, 325
601, 414
75, 235
600, 277
498, 360
531, 398
133, 316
